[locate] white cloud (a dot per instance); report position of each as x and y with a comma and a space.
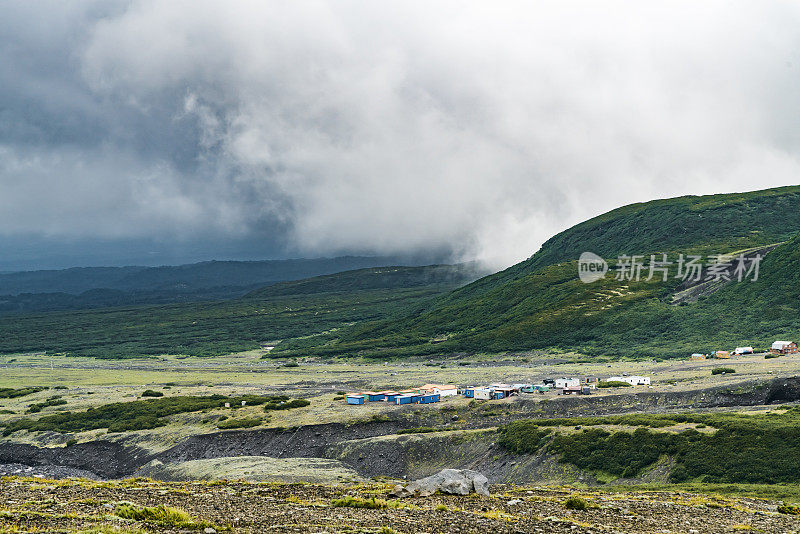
476, 127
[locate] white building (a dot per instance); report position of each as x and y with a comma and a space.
567, 383
482, 394
743, 350
447, 390
443, 390
632, 380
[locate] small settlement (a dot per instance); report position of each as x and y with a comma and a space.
777, 347
430, 393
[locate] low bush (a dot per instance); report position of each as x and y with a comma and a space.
161, 515
39, 406
349, 501
723, 370
12, 393
522, 437
141, 414
613, 384
286, 404
152, 393
576, 503
245, 422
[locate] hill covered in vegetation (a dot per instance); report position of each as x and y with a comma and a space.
540, 303
82, 288
295, 309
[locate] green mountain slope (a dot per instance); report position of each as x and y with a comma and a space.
541, 303
395, 277
295, 309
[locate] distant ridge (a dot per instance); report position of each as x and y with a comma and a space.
541, 304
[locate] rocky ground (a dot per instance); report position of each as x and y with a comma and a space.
40, 505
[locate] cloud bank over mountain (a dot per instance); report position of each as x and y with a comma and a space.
319, 128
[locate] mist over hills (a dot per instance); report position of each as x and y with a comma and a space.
99, 287
540, 303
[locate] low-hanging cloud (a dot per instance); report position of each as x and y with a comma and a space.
381, 127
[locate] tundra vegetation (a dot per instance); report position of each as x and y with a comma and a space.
743, 448
143, 414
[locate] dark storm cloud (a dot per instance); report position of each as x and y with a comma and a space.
383, 127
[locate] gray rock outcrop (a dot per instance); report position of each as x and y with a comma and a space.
454, 481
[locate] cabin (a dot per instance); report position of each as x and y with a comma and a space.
374, 396
541, 388
448, 390
403, 399
783, 347
481, 394
390, 396
564, 382
355, 399
426, 398
469, 393
571, 390
697, 356
502, 393
722, 354
632, 380
444, 390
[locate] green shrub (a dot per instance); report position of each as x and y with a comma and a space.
245, 422
522, 437
790, 509
160, 515
71, 442
770, 355
722, 370
613, 384
12, 393
136, 415
286, 404
349, 501
575, 503
152, 393
291, 364
39, 406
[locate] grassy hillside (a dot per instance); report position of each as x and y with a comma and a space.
541, 303
84, 288
213, 328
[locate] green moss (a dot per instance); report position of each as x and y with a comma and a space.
161, 515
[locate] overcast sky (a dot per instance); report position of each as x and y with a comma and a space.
192, 130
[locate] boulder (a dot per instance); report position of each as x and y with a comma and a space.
453, 481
